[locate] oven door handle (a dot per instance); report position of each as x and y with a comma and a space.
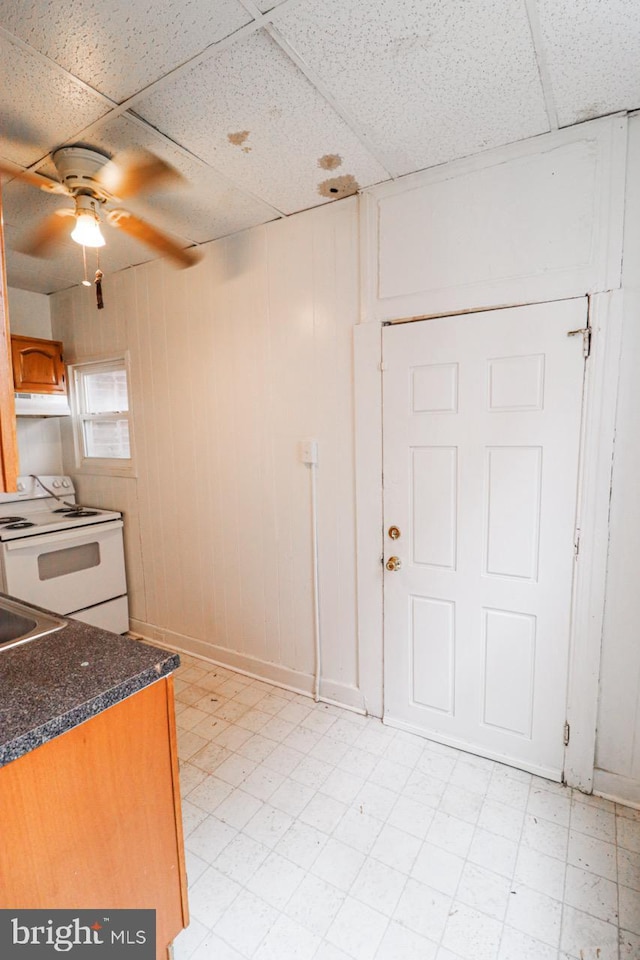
92, 530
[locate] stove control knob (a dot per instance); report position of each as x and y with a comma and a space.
56, 484
65, 483
20, 487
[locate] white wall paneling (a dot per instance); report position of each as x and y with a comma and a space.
29, 313
233, 362
39, 447
537, 220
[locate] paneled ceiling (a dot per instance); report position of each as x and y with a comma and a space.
268, 108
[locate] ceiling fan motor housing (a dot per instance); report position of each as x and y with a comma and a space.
77, 168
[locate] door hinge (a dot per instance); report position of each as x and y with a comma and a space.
576, 544
382, 366
586, 339
567, 734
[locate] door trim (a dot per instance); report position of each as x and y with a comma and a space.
367, 351
594, 492
601, 387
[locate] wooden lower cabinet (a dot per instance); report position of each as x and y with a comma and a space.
92, 818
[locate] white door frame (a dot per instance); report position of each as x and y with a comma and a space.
601, 387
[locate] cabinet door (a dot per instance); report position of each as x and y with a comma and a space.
37, 365
92, 818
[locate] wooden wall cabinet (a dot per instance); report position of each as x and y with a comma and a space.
38, 366
91, 819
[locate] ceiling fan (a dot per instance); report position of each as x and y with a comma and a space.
97, 184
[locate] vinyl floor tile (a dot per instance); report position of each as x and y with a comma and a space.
313, 833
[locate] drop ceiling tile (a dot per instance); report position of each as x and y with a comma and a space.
593, 55
429, 82
23, 205
119, 47
41, 105
252, 114
46, 279
204, 208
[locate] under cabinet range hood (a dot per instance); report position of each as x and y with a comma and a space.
42, 405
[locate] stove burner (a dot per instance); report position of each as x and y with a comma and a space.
81, 513
4, 520
66, 509
19, 525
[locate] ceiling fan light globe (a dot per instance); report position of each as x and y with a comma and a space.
87, 231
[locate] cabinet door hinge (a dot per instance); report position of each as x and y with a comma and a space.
576, 545
567, 734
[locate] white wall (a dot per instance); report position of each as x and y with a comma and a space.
29, 313
233, 362
618, 744
39, 447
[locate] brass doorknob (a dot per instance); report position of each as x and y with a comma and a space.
393, 563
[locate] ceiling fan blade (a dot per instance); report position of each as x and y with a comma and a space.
152, 237
54, 228
139, 172
34, 179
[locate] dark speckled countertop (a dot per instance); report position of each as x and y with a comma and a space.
51, 684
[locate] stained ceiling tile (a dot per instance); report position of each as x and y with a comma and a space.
249, 111
428, 82
41, 106
592, 51
119, 47
206, 206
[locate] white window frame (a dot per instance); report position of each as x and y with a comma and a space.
108, 466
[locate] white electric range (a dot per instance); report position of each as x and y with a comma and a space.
61, 555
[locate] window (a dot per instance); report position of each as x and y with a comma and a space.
100, 398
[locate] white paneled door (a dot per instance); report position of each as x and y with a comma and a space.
482, 418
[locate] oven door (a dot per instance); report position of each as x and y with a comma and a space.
67, 570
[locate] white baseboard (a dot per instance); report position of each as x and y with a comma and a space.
613, 786
330, 690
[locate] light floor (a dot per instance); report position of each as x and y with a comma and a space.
312, 832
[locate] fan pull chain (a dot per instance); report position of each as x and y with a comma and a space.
86, 282
98, 282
